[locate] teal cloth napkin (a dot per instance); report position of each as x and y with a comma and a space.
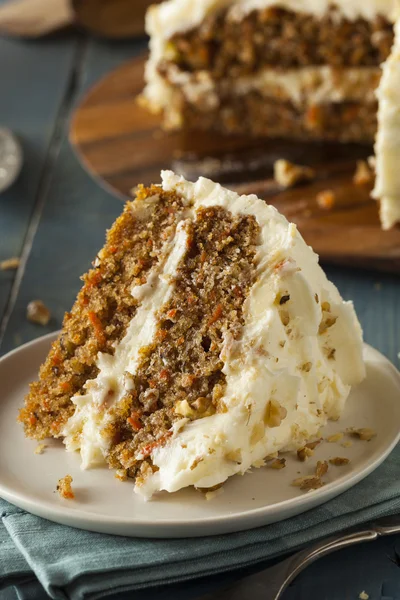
70, 563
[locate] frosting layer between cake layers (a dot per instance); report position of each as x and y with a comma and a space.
291, 368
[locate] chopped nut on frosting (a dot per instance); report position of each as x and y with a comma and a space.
275, 413
287, 174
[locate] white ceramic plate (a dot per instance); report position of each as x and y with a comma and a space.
262, 496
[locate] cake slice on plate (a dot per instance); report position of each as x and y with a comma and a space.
301, 69
205, 338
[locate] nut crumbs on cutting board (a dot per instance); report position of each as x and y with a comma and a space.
64, 488
287, 174
363, 174
326, 199
9, 264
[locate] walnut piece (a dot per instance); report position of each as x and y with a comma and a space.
365, 433
321, 468
336, 437
326, 199
9, 264
64, 488
313, 445
313, 482
338, 461
274, 414
278, 463
304, 453
363, 174
309, 482
37, 312
40, 448
287, 174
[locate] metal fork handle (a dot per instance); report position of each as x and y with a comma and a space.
272, 582
296, 563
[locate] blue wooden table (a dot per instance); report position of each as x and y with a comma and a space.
55, 217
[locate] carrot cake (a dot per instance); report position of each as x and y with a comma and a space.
306, 69
205, 338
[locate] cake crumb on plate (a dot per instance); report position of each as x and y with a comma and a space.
64, 488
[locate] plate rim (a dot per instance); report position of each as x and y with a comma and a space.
82, 519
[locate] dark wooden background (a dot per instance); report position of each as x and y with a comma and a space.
55, 216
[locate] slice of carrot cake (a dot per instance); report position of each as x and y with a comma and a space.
205, 338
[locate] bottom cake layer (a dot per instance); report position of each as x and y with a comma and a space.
256, 115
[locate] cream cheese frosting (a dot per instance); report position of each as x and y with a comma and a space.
303, 87
289, 372
387, 146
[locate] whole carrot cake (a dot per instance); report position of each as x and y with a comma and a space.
205, 338
305, 69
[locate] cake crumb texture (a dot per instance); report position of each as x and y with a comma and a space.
64, 488
101, 313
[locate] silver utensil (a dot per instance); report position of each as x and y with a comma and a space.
272, 582
10, 158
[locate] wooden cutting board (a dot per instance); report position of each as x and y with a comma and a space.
121, 145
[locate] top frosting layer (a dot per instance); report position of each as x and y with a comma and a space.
170, 17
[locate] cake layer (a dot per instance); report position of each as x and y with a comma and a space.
311, 102
239, 347
322, 56
182, 15
279, 38
101, 314
256, 115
